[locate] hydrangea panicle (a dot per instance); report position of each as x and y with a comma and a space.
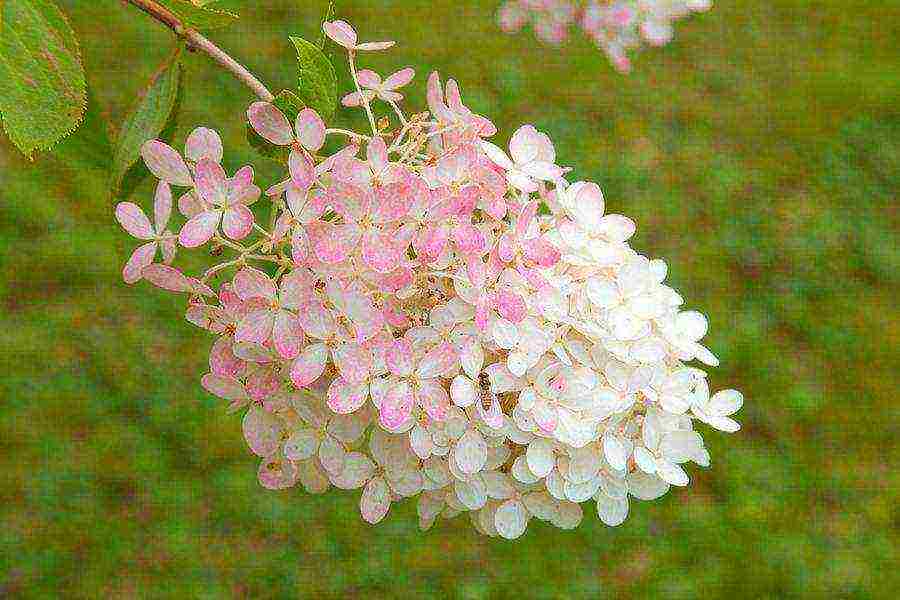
428, 315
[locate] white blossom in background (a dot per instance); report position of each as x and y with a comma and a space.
615, 26
428, 315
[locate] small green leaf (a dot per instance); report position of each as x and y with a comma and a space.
317, 80
147, 118
200, 16
43, 93
289, 103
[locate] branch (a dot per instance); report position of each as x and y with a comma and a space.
197, 40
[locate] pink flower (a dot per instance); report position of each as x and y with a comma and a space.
374, 87
343, 34
135, 222
453, 112
271, 124
224, 201
270, 310
533, 159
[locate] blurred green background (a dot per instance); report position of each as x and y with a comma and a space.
759, 154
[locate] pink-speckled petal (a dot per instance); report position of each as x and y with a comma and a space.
140, 258
525, 218
310, 365
134, 221
439, 361
524, 145
262, 383
310, 129
166, 164
212, 183
262, 431
511, 306
454, 100
350, 201
469, 239
270, 123
337, 244
167, 278
399, 79
255, 327
316, 320
430, 243
353, 362
222, 360
237, 222
344, 397
354, 99
433, 399
543, 170
303, 172
399, 358
392, 202
277, 473
287, 335
380, 253
394, 281
541, 252
368, 78
389, 96
482, 312
396, 406
203, 143
296, 289
375, 501
394, 315
341, 33
199, 229
162, 206
493, 416
189, 205
253, 283
377, 154
506, 247
375, 46
299, 245
496, 155
224, 387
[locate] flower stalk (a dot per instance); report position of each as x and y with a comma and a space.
198, 41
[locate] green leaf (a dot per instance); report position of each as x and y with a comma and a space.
148, 117
317, 86
289, 103
200, 16
43, 93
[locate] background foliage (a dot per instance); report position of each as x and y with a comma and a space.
759, 154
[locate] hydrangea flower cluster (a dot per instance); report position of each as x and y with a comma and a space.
428, 314
616, 26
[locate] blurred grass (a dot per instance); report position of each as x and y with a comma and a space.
760, 155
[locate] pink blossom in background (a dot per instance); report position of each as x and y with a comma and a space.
615, 26
427, 313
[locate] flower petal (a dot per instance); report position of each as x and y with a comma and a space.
133, 220
140, 258
253, 283
310, 129
310, 365
166, 164
204, 143
199, 229
270, 123
237, 222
